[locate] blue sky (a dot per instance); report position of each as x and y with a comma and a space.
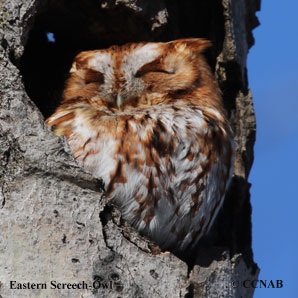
273, 78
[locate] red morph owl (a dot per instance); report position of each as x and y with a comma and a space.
148, 119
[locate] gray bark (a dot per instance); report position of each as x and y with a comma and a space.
55, 225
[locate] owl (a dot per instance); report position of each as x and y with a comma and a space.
148, 119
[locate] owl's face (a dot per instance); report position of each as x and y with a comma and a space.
130, 74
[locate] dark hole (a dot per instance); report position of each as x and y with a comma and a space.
190, 293
64, 238
106, 214
98, 278
4, 44
74, 260
65, 28
115, 276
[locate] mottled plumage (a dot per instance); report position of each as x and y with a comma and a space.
148, 119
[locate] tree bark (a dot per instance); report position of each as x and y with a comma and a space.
55, 223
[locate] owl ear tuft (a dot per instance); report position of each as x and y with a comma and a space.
204, 44
193, 44
73, 67
80, 61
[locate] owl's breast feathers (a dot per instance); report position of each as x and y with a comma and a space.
166, 166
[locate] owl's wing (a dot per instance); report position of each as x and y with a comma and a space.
89, 131
196, 175
61, 122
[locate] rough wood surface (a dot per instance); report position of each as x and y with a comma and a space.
55, 225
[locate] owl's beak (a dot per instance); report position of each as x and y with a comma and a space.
119, 100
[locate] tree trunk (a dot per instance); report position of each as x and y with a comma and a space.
55, 224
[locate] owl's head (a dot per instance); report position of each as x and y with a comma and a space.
138, 72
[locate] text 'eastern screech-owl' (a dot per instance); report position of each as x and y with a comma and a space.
148, 119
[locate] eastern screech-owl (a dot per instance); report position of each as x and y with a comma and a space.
148, 119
